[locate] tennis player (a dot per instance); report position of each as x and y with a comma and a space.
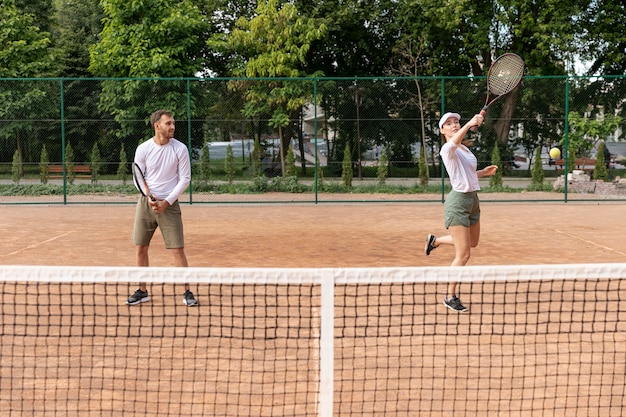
461, 208
168, 173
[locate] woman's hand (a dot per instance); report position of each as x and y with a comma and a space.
477, 120
488, 171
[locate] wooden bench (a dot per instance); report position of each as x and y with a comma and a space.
584, 164
80, 171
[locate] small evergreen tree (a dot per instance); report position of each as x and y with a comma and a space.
346, 167
495, 181
44, 165
383, 167
15, 167
69, 163
96, 163
601, 172
205, 161
423, 167
122, 168
290, 163
537, 174
229, 164
571, 157
257, 166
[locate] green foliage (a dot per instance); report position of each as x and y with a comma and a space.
25, 47
15, 167
276, 41
257, 167
154, 39
229, 164
601, 172
290, 163
586, 132
495, 181
346, 167
383, 167
122, 168
205, 162
74, 33
69, 164
423, 167
44, 165
571, 157
537, 174
157, 38
96, 163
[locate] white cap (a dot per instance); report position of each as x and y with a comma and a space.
446, 117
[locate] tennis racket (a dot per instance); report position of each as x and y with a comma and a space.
141, 183
504, 76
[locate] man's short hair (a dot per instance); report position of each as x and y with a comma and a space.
156, 116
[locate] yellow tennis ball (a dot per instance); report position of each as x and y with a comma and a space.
555, 153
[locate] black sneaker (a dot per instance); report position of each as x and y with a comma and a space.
189, 300
454, 304
430, 244
138, 297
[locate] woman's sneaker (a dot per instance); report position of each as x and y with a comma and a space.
189, 300
430, 244
454, 303
138, 297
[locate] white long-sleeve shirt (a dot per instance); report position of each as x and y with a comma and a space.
166, 167
461, 165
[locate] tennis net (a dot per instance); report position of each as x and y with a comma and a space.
538, 340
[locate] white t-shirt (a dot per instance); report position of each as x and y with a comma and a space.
166, 167
461, 165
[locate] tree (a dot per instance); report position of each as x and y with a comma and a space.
96, 163
149, 38
122, 168
274, 43
600, 40
423, 167
229, 164
77, 26
25, 47
346, 167
495, 181
15, 167
44, 165
601, 172
587, 131
257, 167
69, 163
359, 38
290, 163
205, 162
24, 54
537, 174
383, 167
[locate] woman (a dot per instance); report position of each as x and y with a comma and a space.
461, 209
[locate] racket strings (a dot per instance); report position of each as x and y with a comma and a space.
139, 180
506, 74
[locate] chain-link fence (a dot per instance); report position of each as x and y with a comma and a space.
50, 127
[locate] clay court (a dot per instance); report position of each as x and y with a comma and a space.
401, 368
307, 235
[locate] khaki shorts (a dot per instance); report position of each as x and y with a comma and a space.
146, 222
461, 209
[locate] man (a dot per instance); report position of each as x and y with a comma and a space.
167, 169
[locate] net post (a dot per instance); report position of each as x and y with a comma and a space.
327, 336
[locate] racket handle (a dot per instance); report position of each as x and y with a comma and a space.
482, 113
152, 197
